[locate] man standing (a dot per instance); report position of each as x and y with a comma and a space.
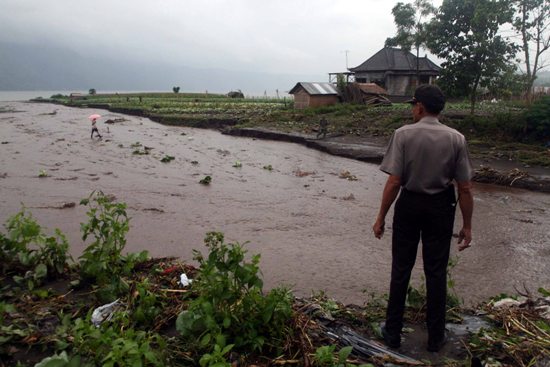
422, 160
94, 129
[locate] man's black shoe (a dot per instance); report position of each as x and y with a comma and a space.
391, 340
437, 345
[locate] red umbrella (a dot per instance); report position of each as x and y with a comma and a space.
95, 116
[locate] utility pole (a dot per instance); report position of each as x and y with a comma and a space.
346, 52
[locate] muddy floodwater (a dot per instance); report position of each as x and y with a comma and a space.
312, 227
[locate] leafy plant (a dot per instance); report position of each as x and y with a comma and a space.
145, 303
117, 345
217, 357
42, 173
206, 180
452, 298
268, 167
237, 164
30, 254
60, 360
102, 262
325, 357
230, 304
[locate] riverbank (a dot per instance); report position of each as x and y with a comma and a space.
372, 150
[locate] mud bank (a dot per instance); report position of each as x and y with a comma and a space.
372, 150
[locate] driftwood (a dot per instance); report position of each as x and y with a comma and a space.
514, 178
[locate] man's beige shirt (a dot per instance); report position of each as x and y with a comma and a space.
428, 156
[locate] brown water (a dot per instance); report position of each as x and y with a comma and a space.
314, 231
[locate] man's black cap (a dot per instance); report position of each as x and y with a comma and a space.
430, 96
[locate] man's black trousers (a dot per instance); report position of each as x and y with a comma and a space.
430, 217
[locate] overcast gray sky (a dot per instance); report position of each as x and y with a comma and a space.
285, 36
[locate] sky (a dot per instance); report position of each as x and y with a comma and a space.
283, 36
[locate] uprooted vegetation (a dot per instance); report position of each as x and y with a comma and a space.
165, 312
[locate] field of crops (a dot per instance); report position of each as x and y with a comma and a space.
494, 128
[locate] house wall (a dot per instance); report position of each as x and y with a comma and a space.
400, 85
301, 99
316, 101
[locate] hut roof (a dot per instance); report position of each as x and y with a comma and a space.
395, 59
315, 88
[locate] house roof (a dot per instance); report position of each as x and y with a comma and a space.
320, 88
371, 88
395, 59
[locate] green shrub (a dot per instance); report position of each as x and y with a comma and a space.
114, 344
231, 307
102, 262
537, 120
326, 356
31, 255
58, 96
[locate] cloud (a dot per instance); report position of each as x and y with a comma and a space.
284, 36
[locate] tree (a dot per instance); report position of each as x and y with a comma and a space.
176, 89
411, 30
532, 22
92, 91
465, 34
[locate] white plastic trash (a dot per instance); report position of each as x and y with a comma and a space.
104, 312
185, 281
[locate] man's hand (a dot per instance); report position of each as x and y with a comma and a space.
464, 239
378, 228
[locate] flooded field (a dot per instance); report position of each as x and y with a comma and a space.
312, 227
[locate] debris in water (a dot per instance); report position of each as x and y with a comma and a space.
347, 175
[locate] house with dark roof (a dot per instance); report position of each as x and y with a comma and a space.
395, 70
314, 94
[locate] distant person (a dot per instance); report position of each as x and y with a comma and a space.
423, 159
323, 126
94, 129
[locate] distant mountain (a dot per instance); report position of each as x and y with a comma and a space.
39, 67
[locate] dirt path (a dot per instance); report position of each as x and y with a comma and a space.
311, 226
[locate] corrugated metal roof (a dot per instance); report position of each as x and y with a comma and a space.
320, 88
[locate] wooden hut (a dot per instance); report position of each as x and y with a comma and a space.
314, 94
